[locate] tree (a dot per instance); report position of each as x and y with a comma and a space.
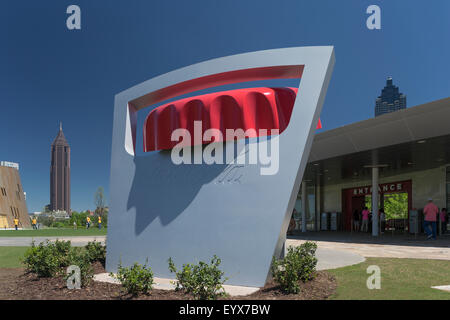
100, 201
79, 218
396, 205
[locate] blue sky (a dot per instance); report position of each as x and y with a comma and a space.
50, 74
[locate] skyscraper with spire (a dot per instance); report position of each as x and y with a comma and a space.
390, 100
60, 174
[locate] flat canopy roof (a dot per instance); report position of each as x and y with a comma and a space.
411, 139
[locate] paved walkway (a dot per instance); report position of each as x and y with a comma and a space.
77, 241
443, 288
332, 259
398, 246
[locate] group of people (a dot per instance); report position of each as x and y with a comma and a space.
34, 223
432, 216
88, 222
362, 220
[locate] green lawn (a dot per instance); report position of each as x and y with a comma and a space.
53, 232
10, 256
400, 279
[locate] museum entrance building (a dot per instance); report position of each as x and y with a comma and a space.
405, 155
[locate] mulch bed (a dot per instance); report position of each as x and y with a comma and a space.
320, 288
16, 284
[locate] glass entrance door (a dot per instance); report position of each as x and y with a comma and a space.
310, 208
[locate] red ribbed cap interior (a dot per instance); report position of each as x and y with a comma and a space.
253, 108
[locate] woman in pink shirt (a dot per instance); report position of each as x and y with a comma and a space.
365, 219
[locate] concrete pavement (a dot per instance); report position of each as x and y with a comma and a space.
77, 241
417, 249
332, 259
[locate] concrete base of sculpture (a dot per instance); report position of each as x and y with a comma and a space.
170, 284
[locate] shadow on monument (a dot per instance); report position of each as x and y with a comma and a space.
153, 194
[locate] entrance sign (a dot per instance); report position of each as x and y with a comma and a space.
382, 188
190, 212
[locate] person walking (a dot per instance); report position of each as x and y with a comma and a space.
33, 223
365, 220
88, 222
356, 218
16, 223
99, 222
382, 220
444, 219
429, 225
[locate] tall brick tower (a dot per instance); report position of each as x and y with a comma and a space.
60, 174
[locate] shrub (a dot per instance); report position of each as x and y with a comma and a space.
50, 259
135, 279
42, 259
62, 247
46, 258
204, 281
96, 251
58, 224
79, 218
61, 250
45, 221
299, 264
